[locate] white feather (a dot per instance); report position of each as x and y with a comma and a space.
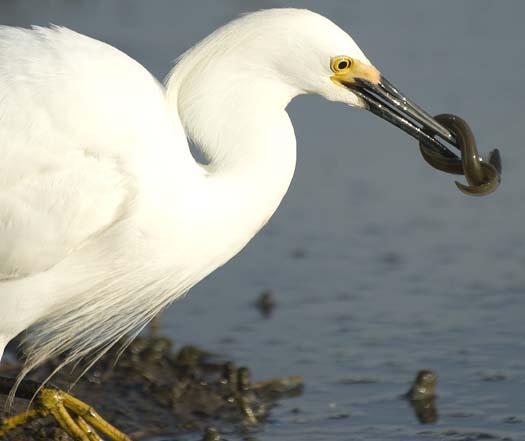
104, 215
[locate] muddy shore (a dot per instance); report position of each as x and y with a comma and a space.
157, 389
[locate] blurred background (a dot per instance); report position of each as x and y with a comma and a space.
378, 265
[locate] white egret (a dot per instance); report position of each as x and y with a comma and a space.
105, 216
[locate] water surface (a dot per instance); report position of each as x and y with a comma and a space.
379, 266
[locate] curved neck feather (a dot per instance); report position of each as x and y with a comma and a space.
238, 121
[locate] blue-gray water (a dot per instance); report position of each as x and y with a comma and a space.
400, 270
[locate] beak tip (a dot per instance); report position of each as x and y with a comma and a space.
387, 102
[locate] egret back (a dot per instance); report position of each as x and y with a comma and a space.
81, 124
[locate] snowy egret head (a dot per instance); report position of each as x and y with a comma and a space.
282, 53
312, 55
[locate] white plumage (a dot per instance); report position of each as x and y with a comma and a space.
105, 217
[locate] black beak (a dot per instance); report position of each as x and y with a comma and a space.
387, 102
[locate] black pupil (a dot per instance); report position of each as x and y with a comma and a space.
342, 64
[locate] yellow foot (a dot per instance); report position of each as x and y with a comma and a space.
78, 419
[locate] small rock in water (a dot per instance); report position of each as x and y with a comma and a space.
229, 374
424, 386
211, 434
243, 379
422, 396
265, 303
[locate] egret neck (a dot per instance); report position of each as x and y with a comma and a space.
239, 124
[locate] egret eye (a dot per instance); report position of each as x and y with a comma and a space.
339, 64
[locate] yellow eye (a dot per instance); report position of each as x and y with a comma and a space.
340, 64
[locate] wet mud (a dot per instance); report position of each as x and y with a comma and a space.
156, 390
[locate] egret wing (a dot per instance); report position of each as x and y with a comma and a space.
73, 113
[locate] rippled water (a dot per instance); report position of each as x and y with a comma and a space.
379, 266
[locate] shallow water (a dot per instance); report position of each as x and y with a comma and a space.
379, 266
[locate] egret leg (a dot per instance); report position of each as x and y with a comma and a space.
75, 417
10, 423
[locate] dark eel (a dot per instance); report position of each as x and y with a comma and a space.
483, 176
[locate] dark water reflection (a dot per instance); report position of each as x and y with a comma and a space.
398, 270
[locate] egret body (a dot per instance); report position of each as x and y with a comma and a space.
105, 216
